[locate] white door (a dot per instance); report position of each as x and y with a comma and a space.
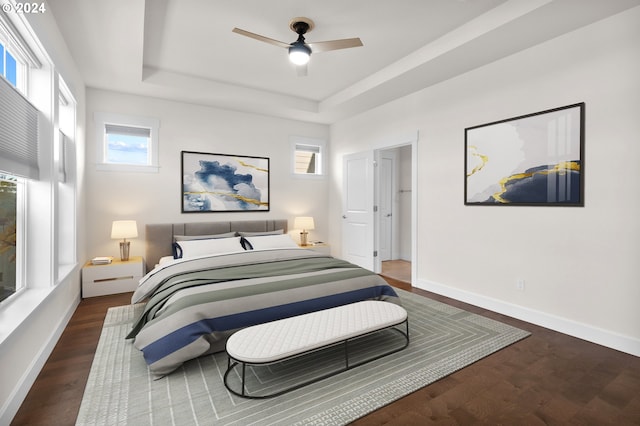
357, 209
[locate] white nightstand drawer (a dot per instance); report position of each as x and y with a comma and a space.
116, 277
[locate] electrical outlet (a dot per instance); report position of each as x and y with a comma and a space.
520, 285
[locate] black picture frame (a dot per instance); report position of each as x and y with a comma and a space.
531, 160
214, 182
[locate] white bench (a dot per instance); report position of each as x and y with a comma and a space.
291, 337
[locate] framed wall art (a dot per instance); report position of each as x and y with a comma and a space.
531, 160
224, 183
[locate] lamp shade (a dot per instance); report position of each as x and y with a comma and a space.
124, 229
303, 222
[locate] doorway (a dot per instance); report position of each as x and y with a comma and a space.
394, 181
379, 207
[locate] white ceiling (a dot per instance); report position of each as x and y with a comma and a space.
185, 50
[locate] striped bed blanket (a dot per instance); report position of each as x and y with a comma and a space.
194, 305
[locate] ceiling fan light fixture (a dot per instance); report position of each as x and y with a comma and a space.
299, 50
299, 53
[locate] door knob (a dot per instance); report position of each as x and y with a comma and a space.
344, 216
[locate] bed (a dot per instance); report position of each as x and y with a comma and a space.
233, 275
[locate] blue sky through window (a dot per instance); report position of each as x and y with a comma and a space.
127, 149
11, 69
8, 66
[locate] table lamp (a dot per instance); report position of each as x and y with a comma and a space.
304, 223
124, 229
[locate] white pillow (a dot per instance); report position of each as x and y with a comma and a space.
195, 248
165, 259
265, 242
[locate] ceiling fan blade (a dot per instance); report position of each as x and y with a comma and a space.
261, 38
301, 70
325, 46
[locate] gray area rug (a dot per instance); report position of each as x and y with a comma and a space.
444, 339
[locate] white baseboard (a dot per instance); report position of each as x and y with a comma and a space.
583, 331
12, 405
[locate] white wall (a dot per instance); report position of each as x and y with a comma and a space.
156, 197
580, 265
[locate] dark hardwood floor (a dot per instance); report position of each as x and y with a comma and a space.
55, 397
547, 379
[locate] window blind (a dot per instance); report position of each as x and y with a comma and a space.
18, 133
308, 148
127, 130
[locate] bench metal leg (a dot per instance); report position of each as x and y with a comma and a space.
346, 354
244, 374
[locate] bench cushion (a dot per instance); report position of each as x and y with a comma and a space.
288, 337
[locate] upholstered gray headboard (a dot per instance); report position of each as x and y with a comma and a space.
160, 236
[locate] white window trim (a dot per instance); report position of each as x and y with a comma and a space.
21, 242
21, 236
18, 46
321, 144
20, 50
102, 119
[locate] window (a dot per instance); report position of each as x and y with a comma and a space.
64, 154
10, 212
307, 156
307, 159
127, 143
18, 156
16, 58
18, 133
37, 205
8, 66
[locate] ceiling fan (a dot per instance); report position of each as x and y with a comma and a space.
300, 51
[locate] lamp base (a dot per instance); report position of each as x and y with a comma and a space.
303, 238
124, 250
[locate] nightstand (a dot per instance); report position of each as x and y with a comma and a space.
319, 247
116, 277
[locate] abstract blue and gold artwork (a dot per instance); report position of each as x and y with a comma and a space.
224, 183
531, 160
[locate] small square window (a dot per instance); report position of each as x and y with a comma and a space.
307, 156
126, 143
307, 159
